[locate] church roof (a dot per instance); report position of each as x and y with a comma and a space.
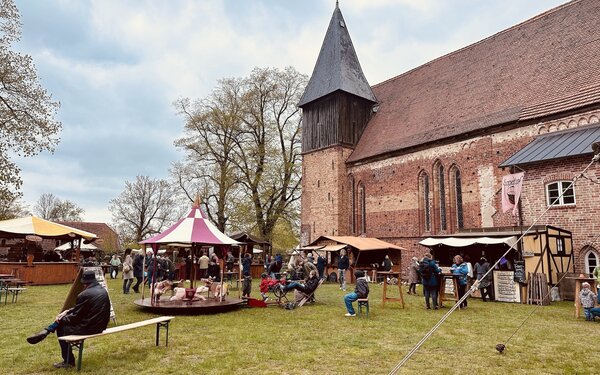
337, 66
543, 66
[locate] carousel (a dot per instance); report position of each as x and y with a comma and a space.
204, 296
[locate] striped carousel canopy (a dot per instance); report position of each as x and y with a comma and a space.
193, 228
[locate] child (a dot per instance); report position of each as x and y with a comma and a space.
265, 284
247, 286
587, 299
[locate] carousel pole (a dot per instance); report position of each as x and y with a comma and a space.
222, 269
143, 272
153, 280
239, 273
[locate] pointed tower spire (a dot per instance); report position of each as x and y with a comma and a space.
337, 66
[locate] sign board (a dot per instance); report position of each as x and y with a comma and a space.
519, 271
78, 287
505, 287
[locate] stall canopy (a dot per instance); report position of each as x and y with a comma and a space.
360, 243
193, 228
32, 225
82, 247
463, 242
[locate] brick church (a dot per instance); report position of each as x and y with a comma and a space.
424, 153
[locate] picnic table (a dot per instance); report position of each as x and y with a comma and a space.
13, 286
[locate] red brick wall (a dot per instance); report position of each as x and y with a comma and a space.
392, 189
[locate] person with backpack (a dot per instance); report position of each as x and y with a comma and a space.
460, 270
429, 270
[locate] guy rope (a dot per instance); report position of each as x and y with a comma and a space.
499, 347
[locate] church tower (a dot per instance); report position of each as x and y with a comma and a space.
336, 106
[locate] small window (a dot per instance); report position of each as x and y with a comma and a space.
591, 261
560, 245
560, 193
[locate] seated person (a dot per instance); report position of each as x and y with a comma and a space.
360, 291
308, 287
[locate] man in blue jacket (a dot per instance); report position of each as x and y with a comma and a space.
461, 270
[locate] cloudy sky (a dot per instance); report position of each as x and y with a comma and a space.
116, 66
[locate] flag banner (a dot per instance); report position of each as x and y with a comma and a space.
511, 192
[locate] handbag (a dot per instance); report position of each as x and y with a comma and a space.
126, 268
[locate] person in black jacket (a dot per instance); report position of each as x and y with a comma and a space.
360, 291
343, 264
90, 315
138, 271
308, 287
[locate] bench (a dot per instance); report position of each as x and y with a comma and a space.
14, 291
77, 340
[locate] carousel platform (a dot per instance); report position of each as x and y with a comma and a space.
210, 306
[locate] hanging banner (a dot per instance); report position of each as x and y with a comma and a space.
511, 192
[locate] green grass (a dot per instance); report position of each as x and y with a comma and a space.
314, 339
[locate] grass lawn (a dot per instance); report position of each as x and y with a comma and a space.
314, 339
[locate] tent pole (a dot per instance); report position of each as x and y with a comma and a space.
144, 272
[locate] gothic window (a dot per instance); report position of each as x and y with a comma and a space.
352, 191
441, 194
456, 197
560, 193
591, 260
363, 208
424, 206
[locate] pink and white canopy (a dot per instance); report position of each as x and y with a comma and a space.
193, 228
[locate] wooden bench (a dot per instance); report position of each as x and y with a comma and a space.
77, 340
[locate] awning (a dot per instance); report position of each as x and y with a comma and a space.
335, 247
32, 225
555, 145
462, 242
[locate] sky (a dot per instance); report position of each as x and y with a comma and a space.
117, 66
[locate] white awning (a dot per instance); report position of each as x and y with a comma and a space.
462, 242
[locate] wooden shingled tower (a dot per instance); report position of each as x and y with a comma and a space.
336, 106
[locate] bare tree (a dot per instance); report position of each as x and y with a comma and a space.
13, 208
211, 127
27, 124
50, 207
144, 208
269, 153
242, 148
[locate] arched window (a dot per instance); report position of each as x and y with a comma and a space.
352, 192
363, 208
441, 194
591, 260
456, 200
424, 205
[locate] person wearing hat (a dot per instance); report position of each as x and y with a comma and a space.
361, 290
90, 315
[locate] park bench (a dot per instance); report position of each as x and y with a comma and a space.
78, 340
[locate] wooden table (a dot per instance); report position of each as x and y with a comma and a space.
390, 274
578, 282
442, 291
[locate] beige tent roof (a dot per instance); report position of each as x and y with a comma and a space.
360, 243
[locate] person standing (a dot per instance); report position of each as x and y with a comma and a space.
203, 265
321, 263
138, 271
127, 271
429, 272
115, 262
460, 270
343, 264
587, 299
361, 290
413, 275
596, 274
485, 283
90, 315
